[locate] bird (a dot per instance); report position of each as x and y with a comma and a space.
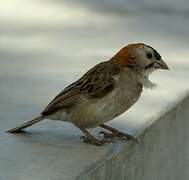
104, 92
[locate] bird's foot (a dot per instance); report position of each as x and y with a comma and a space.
120, 135
97, 142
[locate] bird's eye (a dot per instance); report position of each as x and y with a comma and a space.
149, 55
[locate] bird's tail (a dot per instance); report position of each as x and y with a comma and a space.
27, 124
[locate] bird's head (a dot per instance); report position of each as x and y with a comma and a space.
142, 60
140, 57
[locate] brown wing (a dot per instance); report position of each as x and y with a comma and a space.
96, 83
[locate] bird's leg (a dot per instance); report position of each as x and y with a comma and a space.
116, 133
88, 138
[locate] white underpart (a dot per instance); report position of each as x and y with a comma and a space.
145, 81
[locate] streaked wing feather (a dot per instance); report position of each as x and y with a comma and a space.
67, 99
96, 83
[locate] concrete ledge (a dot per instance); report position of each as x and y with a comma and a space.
53, 150
163, 152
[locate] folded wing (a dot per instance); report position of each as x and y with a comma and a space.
96, 83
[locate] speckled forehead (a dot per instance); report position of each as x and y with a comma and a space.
140, 45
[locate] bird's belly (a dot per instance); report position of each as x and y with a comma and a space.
60, 115
102, 110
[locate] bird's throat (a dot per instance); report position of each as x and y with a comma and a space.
145, 81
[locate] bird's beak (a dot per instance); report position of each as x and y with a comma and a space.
160, 64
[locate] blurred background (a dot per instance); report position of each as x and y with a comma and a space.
46, 44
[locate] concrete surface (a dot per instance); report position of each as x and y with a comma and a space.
163, 153
45, 45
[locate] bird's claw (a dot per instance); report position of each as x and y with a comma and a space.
120, 135
106, 134
97, 142
131, 138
